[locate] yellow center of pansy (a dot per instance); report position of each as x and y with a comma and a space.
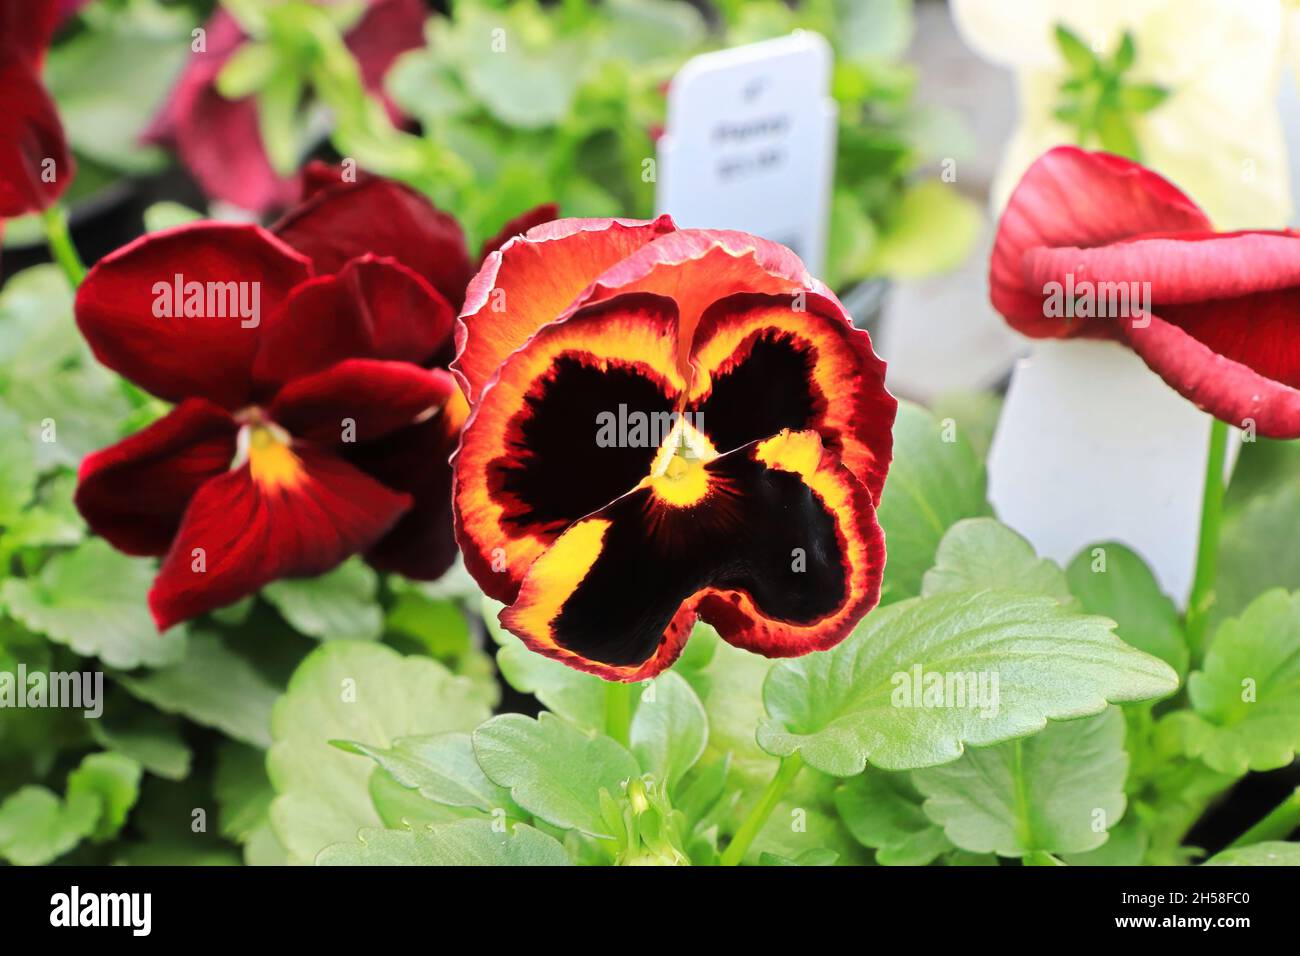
270, 459
678, 476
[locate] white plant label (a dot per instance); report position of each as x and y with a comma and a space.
750, 143
1092, 447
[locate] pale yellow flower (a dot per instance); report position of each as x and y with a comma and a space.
1218, 135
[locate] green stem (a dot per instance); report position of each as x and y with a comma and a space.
1278, 825
776, 788
1207, 551
61, 247
618, 711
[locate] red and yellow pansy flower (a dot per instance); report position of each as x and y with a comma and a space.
667, 424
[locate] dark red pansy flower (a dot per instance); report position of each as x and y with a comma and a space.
1132, 258
667, 424
35, 164
309, 425
219, 140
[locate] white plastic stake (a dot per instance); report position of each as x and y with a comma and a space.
1092, 446
750, 143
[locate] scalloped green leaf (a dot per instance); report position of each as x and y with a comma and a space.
933, 483
1246, 696
95, 600
442, 768
979, 553
213, 686
852, 704
1269, 853
352, 690
554, 770
462, 843
1117, 583
1058, 791
670, 728
337, 605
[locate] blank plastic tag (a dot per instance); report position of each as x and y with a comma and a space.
750, 143
1091, 447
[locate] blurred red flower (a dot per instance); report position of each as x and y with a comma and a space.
1094, 245
306, 354
35, 164
219, 140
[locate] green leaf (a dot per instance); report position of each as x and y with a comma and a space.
554, 770
670, 729
1126, 53
729, 682
17, 468
168, 215
1257, 551
113, 780
148, 737
1270, 853
974, 415
401, 808
349, 690
337, 605
979, 553
520, 71
1142, 97
645, 30
110, 82
462, 843
212, 686
932, 485
577, 697
1126, 846
442, 768
94, 600
1112, 580
1246, 696
883, 811
242, 789
1078, 55
859, 701
931, 230
36, 827
1055, 792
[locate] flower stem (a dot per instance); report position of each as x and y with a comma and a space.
1278, 825
1207, 551
618, 711
776, 788
60, 241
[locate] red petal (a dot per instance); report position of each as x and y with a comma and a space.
375, 397
374, 308
26, 27
1177, 269
383, 218
219, 140
31, 138
530, 281
537, 216
248, 532
762, 366
697, 267
387, 29
415, 460
1070, 197
1221, 384
135, 492
180, 357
